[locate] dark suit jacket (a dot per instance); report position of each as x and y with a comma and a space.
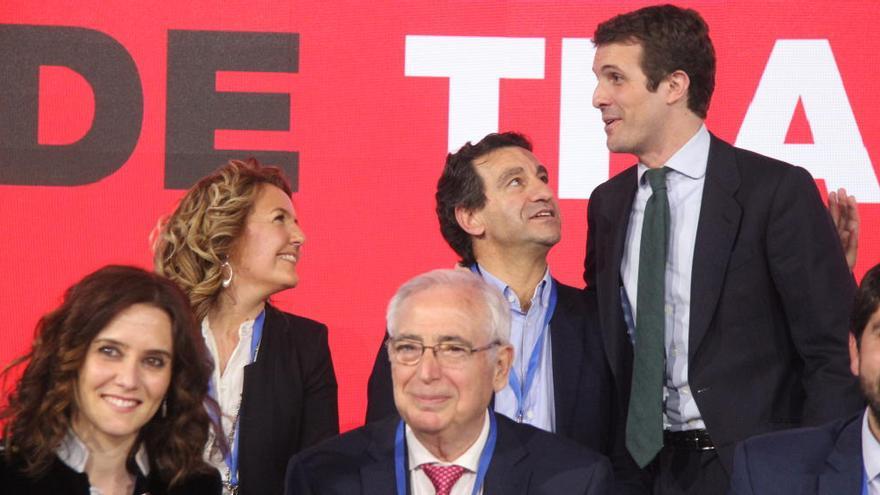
526, 461
824, 460
288, 401
61, 480
770, 297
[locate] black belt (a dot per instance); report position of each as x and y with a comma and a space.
688, 440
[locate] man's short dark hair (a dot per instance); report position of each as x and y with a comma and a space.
866, 303
461, 186
672, 39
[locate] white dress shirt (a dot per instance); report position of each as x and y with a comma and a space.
227, 386
871, 456
525, 328
685, 181
74, 454
417, 455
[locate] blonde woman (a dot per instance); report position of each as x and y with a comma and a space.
233, 241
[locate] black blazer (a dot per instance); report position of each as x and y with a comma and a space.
770, 297
825, 460
526, 461
288, 400
61, 480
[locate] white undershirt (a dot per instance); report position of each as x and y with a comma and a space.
470, 460
231, 382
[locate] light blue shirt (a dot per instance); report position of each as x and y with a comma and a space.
525, 327
684, 182
871, 456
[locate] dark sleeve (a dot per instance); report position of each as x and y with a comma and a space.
601, 479
201, 484
320, 407
590, 259
740, 482
629, 479
295, 480
816, 292
380, 393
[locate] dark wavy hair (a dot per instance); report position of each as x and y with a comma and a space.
196, 239
672, 38
461, 186
41, 407
867, 302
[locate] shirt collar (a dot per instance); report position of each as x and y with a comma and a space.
870, 449
690, 160
74, 453
541, 293
470, 459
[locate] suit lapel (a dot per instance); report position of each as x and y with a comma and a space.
616, 217
503, 477
843, 468
566, 342
378, 476
716, 232
256, 392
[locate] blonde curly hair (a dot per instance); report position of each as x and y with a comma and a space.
191, 245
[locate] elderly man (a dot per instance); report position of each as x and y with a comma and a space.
449, 349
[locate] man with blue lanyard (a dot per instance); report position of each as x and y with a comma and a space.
499, 214
841, 457
449, 344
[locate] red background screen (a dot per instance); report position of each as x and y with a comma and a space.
362, 101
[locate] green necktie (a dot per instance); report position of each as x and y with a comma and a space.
644, 421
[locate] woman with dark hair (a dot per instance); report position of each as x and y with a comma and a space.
112, 400
233, 241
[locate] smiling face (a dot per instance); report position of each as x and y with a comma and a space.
635, 118
265, 256
124, 377
520, 208
447, 402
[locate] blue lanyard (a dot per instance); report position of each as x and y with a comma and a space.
482, 469
521, 389
231, 457
864, 481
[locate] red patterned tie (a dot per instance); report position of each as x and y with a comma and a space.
443, 477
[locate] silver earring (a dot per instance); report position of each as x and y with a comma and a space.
226, 282
165, 407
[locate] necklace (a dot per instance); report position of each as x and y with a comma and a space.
231, 481
230, 437
229, 484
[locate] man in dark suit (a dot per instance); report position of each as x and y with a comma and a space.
497, 211
447, 440
723, 290
840, 457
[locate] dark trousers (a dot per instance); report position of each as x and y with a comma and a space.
688, 472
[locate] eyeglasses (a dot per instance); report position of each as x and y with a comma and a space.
448, 354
